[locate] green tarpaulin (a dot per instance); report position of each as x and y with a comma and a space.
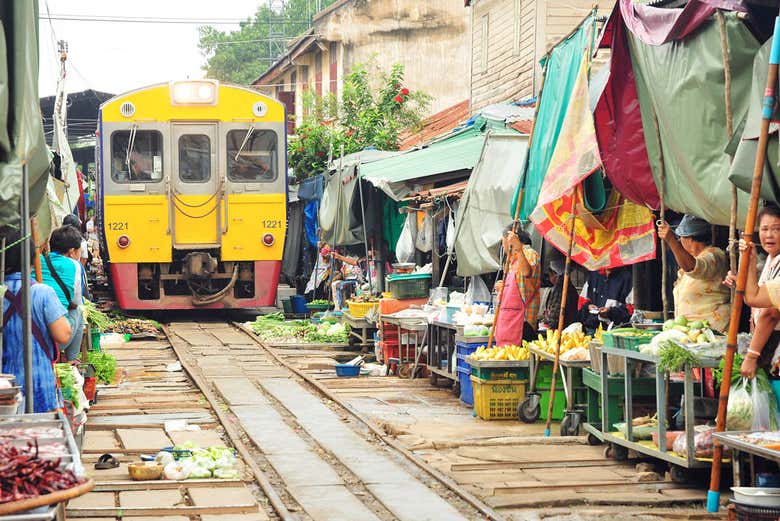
683, 84
483, 212
746, 143
21, 130
459, 152
561, 68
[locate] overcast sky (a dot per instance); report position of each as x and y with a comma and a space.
115, 57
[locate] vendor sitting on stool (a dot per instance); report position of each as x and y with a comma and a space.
606, 294
520, 300
699, 293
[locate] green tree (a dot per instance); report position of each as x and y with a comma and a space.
241, 56
373, 110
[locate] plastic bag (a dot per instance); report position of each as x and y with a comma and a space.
478, 291
451, 232
404, 249
739, 415
424, 241
762, 420
574, 328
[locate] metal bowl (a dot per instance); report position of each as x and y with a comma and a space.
757, 496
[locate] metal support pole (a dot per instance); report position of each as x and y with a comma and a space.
365, 232
2, 283
26, 311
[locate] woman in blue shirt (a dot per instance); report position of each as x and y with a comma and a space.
50, 326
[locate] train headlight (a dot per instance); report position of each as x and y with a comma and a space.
197, 92
268, 239
123, 241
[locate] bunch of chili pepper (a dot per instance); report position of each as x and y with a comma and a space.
24, 475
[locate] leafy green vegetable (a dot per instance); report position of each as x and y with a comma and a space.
67, 383
94, 317
673, 357
105, 365
320, 302
761, 376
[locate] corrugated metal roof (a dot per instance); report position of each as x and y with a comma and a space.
436, 125
456, 153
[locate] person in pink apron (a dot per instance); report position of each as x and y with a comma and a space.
517, 320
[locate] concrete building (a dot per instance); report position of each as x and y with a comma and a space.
430, 39
509, 37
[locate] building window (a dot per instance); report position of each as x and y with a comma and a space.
483, 61
518, 22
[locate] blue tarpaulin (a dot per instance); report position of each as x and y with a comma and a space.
310, 221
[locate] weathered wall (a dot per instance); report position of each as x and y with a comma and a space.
505, 58
430, 38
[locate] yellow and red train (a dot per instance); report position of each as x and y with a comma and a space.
192, 192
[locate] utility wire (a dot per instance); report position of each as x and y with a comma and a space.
161, 20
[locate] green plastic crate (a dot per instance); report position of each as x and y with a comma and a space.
411, 285
498, 373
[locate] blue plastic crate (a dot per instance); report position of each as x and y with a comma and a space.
466, 389
464, 350
347, 370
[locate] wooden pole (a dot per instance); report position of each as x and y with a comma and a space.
713, 496
516, 215
662, 178
559, 331
724, 47
37, 259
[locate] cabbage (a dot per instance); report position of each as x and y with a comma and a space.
227, 473
199, 472
164, 457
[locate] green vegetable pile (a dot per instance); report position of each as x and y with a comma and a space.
320, 302
673, 357
761, 376
105, 366
218, 462
94, 317
67, 383
273, 327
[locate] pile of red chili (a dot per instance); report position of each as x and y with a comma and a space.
24, 475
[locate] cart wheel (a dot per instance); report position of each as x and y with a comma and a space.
456, 389
529, 410
678, 474
570, 426
608, 451
433, 378
619, 452
593, 440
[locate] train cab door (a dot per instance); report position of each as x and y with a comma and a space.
195, 186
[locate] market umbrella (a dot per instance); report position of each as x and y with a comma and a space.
713, 496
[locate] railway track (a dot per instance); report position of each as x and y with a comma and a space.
314, 457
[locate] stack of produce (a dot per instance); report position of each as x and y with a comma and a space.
133, 326
24, 474
696, 332
508, 352
105, 366
273, 328
569, 341
94, 317
188, 461
67, 377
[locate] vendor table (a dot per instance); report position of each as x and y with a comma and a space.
360, 329
409, 344
441, 346
744, 455
70, 460
530, 406
620, 444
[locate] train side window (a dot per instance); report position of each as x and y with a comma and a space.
136, 156
251, 156
194, 158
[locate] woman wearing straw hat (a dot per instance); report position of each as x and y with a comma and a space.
699, 293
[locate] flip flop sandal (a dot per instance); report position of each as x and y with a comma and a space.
106, 461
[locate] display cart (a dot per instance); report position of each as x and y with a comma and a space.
360, 329
530, 408
411, 333
620, 444
744, 456
58, 433
441, 346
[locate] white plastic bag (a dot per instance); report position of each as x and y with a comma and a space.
451, 232
739, 415
424, 241
404, 249
478, 291
762, 421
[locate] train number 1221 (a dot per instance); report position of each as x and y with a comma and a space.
117, 226
270, 223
